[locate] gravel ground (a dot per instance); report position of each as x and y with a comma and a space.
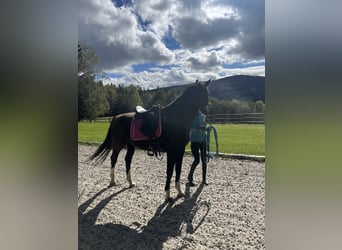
229, 213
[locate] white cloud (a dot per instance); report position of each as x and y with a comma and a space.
176, 76
253, 71
158, 13
195, 34
211, 33
116, 37
207, 61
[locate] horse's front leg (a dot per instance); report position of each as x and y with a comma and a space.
169, 172
179, 162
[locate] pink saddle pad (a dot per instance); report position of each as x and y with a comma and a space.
137, 135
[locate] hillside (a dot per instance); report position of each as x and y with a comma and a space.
240, 87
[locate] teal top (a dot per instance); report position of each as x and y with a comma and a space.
197, 131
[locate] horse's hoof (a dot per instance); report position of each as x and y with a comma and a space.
169, 199
112, 184
180, 195
190, 184
132, 185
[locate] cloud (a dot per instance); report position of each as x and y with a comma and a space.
251, 25
205, 61
115, 35
160, 78
195, 34
196, 37
177, 76
209, 23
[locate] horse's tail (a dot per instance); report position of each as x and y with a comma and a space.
103, 150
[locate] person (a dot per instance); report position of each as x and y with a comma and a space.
198, 140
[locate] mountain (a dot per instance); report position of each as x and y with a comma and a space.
240, 87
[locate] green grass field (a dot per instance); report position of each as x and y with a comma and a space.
92, 132
232, 138
241, 138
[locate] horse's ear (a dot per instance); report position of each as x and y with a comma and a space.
207, 83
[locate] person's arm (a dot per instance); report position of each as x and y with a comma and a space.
202, 122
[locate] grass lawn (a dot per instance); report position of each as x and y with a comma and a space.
232, 138
241, 138
92, 132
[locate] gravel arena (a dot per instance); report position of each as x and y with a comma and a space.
229, 213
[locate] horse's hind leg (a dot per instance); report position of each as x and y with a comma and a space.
113, 158
128, 160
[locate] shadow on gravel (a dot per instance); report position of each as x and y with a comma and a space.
168, 221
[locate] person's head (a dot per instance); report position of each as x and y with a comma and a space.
203, 110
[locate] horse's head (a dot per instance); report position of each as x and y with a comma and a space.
198, 94
193, 98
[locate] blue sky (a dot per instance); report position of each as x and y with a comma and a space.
168, 42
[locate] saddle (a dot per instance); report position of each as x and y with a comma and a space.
146, 124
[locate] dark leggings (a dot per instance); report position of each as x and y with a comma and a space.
196, 148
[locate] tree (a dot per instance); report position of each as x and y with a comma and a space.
146, 98
259, 107
159, 97
97, 103
112, 98
217, 106
92, 97
170, 96
84, 87
87, 59
127, 98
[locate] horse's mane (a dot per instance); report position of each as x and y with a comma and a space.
181, 95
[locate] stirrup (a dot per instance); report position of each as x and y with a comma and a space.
150, 151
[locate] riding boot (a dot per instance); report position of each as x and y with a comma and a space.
191, 173
204, 174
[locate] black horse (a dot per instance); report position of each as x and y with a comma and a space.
176, 122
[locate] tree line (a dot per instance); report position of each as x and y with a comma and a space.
96, 99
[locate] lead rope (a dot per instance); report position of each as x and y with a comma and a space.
204, 134
211, 154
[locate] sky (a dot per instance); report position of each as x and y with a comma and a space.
160, 43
